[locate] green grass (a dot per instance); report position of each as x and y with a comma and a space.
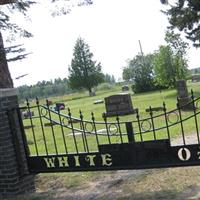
77, 102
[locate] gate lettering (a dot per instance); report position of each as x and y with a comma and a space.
106, 160
78, 161
63, 161
50, 162
184, 154
77, 164
90, 159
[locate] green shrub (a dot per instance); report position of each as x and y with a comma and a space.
133, 87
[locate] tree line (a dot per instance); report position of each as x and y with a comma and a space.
56, 87
160, 69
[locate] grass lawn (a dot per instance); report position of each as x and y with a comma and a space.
62, 139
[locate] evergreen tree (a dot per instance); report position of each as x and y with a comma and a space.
84, 72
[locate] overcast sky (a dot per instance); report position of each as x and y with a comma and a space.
112, 29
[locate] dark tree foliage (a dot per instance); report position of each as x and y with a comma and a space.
84, 72
15, 49
140, 71
184, 16
7, 25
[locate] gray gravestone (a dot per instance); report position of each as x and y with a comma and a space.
125, 88
183, 96
195, 78
119, 104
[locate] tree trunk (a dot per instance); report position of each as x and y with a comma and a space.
90, 91
5, 78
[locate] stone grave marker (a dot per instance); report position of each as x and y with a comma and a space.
100, 101
125, 88
119, 104
183, 95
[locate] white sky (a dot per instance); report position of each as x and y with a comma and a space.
112, 29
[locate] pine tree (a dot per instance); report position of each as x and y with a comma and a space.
84, 72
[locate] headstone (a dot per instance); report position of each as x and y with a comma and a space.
59, 106
154, 109
125, 88
119, 104
27, 114
195, 78
183, 96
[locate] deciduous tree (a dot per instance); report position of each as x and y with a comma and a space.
140, 70
170, 63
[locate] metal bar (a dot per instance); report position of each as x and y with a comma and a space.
31, 121
52, 129
180, 115
130, 132
42, 127
74, 137
62, 130
166, 120
152, 121
95, 129
139, 125
83, 131
107, 131
82, 135
195, 117
120, 132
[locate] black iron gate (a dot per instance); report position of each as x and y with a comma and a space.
58, 142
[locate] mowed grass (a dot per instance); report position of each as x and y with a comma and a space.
59, 139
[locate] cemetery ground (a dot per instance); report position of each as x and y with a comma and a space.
172, 183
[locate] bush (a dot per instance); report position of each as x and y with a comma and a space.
133, 88
136, 89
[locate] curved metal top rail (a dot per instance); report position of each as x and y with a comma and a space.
193, 102
66, 120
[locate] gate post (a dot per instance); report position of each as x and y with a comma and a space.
130, 133
14, 176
